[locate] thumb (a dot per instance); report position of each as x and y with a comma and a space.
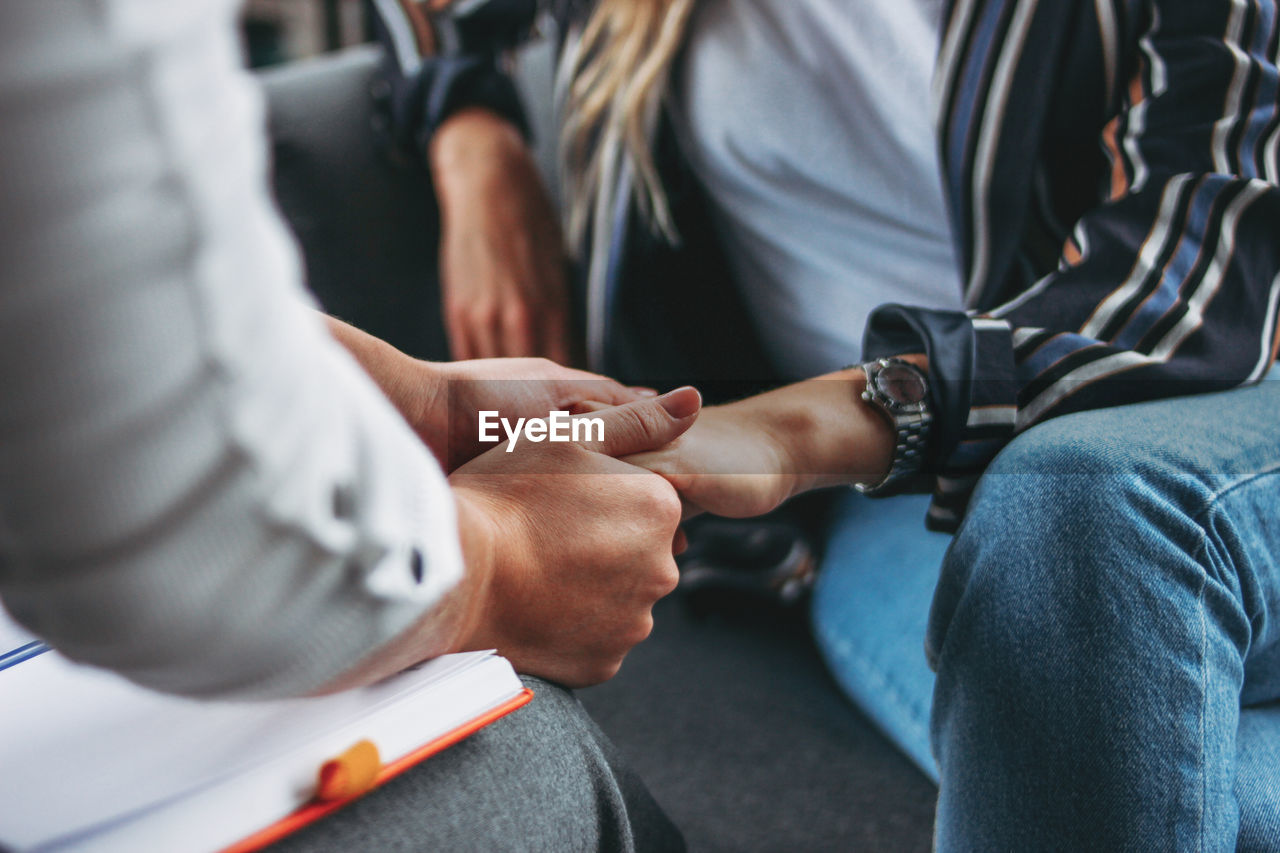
646, 424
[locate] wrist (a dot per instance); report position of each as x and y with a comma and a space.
452, 624
473, 144
829, 436
477, 538
430, 407
897, 389
414, 387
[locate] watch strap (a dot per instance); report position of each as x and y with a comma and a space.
911, 425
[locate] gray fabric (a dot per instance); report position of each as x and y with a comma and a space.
730, 718
542, 778
364, 215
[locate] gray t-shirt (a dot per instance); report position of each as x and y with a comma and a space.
809, 122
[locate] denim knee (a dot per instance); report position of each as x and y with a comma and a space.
1079, 521
1097, 624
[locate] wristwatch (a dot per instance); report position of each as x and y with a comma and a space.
900, 391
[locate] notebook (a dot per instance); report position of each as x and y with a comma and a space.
91, 762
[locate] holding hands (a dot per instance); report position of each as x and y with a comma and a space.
746, 458
734, 463
566, 548
569, 548
441, 402
453, 394
568, 545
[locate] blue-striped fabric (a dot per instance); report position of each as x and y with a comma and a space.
1263, 116
1173, 291
27, 651
1141, 137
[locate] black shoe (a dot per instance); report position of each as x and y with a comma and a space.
735, 561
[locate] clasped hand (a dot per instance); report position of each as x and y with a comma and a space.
567, 547
746, 458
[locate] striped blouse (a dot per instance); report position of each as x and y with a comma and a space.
1110, 169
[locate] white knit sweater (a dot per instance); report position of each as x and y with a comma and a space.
198, 487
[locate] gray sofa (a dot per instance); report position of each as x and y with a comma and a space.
726, 711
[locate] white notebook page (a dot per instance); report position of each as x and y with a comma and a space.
89, 757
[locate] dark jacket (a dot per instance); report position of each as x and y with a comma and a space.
1111, 172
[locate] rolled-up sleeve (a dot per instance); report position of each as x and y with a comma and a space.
423, 91
1169, 283
198, 487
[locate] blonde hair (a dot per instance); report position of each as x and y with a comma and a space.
619, 78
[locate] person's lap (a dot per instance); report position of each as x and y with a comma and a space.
1048, 609
872, 603
542, 778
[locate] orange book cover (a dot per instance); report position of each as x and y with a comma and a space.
317, 809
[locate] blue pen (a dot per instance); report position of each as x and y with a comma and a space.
21, 653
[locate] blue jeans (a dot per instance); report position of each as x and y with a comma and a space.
1105, 629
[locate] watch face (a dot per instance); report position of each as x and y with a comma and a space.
900, 383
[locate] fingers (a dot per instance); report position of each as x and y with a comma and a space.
485, 330
680, 543
609, 394
454, 307
500, 307
606, 393
550, 331
672, 467
460, 348
511, 330
586, 407
518, 334
478, 317
554, 337
647, 424
594, 393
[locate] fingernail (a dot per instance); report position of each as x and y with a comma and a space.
644, 392
682, 402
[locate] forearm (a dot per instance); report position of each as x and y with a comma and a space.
472, 147
449, 625
829, 435
502, 258
834, 438
746, 458
416, 388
